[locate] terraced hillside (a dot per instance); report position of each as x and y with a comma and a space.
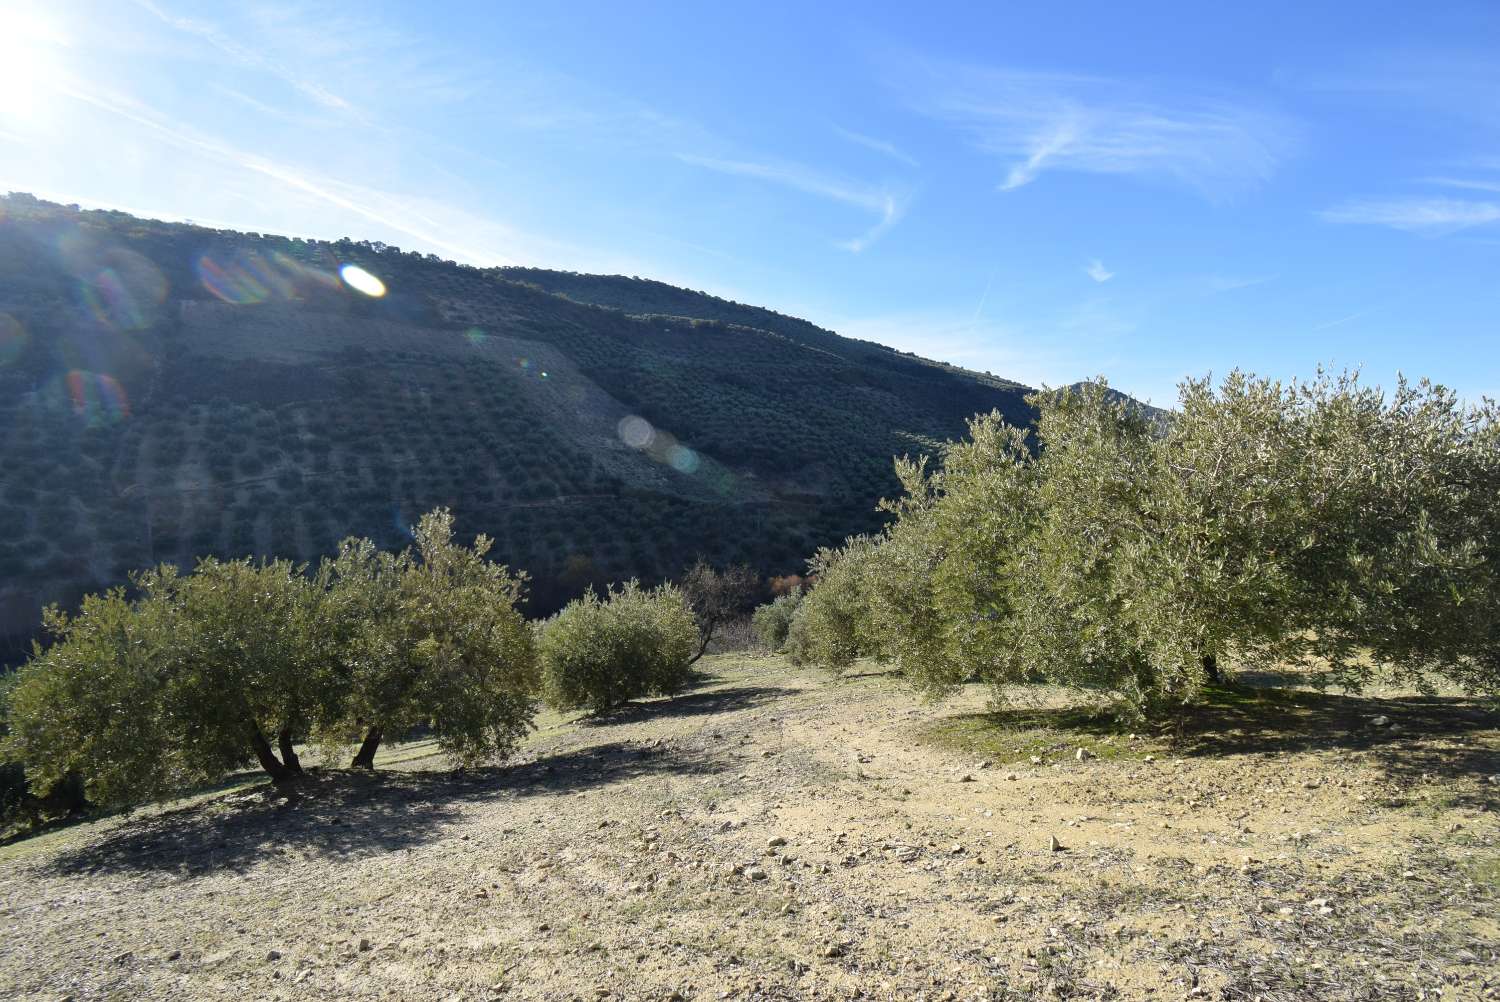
168, 390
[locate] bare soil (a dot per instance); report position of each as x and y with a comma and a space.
774, 834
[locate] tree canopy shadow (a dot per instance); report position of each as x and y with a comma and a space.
690, 704
1239, 720
340, 813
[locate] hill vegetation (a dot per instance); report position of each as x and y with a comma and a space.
170, 391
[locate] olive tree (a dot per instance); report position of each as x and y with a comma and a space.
1138, 556
435, 638
832, 627
190, 680
718, 597
191, 676
600, 652
773, 621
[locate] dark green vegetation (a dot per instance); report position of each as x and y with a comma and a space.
191, 677
1142, 558
169, 392
598, 653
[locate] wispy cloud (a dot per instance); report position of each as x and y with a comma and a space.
249, 56
1042, 122
1098, 272
452, 230
882, 203
1416, 214
878, 145
1465, 184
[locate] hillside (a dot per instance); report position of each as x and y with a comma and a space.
168, 390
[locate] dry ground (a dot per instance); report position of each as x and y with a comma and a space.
774, 834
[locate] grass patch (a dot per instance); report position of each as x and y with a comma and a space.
1050, 733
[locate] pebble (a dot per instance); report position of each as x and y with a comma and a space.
1084, 755
1056, 845
774, 841
755, 873
273, 955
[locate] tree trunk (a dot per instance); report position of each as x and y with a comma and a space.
288, 753
268, 760
705, 637
365, 758
1211, 669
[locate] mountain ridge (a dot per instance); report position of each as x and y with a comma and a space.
171, 390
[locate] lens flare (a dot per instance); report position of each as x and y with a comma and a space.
232, 282
13, 339
97, 397
682, 459
476, 337
636, 432
361, 281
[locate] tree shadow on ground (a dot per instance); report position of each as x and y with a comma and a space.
338, 813
690, 704
1235, 720
1240, 720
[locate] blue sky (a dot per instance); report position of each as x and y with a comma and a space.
1045, 191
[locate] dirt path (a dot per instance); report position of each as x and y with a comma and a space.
776, 835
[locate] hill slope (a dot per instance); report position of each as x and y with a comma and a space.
168, 390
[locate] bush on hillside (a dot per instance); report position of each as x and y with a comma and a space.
831, 628
1261, 524
773, 621
198, 675
600, 652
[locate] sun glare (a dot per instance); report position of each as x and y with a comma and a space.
27, 62
361, 281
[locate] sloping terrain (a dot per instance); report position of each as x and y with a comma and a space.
776, 835
168, 391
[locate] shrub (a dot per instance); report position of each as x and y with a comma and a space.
773, 621
831, 628
198, 674
599, 653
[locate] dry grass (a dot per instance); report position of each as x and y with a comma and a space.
1281, 848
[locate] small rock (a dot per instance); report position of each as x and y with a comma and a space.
273, 955
833, 950
175, 955
755, 873
364, 945
1056, 845
1311, 784
1036, 760
1380, 721
1150, 758
957, 849
1012, 776
1084, 755
968, 779
774, 841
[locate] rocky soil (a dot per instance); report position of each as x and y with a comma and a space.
777, 835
